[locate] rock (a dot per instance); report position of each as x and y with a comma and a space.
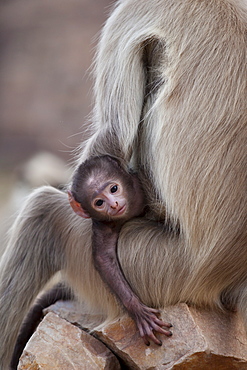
201, 340
59, 345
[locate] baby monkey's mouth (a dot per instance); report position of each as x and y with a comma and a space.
120, 211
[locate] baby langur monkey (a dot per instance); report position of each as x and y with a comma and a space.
104, 191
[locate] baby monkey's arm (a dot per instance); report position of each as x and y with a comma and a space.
105, 237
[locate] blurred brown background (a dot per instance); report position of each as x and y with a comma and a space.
46, 49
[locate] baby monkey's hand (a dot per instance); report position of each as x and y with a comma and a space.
147, 322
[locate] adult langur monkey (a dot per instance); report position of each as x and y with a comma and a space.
170, 98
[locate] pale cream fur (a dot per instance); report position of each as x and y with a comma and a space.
170, 98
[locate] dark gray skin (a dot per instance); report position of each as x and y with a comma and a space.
106, 226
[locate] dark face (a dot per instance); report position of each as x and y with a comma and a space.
104, 191
108, 199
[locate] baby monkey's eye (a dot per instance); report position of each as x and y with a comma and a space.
99, 203
114, 189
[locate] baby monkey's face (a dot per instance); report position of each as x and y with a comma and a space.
110, 199
107, 194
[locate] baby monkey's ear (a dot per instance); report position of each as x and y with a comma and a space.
77, 208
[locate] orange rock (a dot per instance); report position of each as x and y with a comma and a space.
201, 340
